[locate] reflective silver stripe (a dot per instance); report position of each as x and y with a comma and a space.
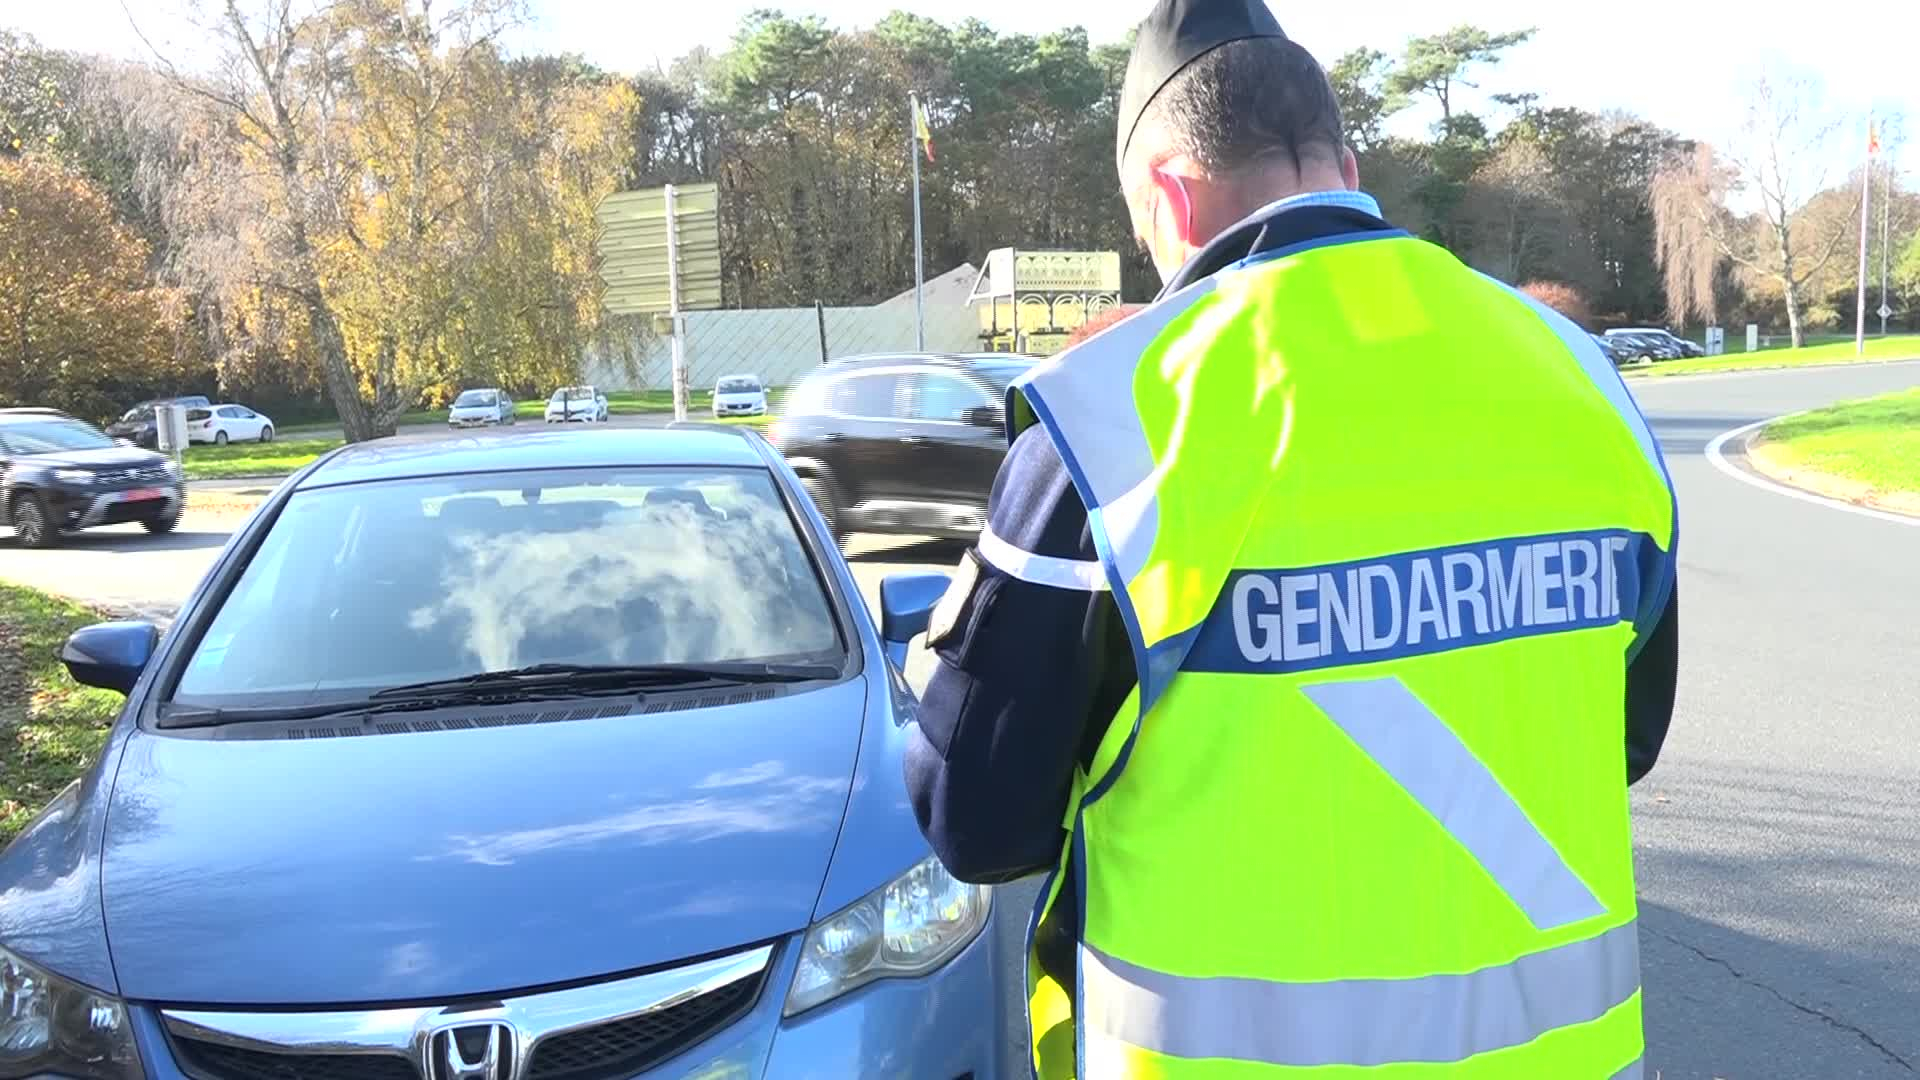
1430, 763
1089, 393
1435, 1018
1634, 1070
1060, 573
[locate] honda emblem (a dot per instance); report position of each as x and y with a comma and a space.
473, 1052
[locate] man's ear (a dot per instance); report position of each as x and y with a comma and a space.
1349, 169
1179, 202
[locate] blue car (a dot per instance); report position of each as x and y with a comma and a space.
578, 763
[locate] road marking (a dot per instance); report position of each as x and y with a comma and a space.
1690, 378
1719, 460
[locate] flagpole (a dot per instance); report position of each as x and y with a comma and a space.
919, 266
1866, 196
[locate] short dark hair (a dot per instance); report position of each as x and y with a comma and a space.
1248, 101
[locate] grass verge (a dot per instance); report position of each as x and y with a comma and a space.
1873, 443
1879, 350
276, 458
50, 726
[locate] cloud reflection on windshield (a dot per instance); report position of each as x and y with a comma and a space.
652, 584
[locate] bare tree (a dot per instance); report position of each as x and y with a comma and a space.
1778, 158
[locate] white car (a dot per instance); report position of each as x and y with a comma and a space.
480, 408
739, 395
222, 424
577, 404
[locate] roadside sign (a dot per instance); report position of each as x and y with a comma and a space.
633, 241
1885, 312
1716, 340
1753, 337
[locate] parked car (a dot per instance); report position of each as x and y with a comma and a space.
900, 444
222, 424
1617, 349
59, 474
577, 404
1656, 344
389, 799
139, 426
739, 395
481, 408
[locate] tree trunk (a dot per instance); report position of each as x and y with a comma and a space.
1788, 286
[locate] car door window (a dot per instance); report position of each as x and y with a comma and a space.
868, 396
944, 398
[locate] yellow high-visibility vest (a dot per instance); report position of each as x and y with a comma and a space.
1384, 533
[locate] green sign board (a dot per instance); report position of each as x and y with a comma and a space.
632, 244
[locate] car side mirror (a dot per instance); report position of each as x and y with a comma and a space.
110, 655
906, 608
985, 416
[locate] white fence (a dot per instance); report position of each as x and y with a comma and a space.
780, 344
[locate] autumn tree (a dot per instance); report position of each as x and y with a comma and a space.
1777, 163
1562, 298
81, 328
425, 204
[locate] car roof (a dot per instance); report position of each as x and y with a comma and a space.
953, 360
606, 448
29, 412
1640, 330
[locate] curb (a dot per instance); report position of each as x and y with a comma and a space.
1631, 373
1750, 474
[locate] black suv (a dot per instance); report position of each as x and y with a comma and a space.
900, 444
58, 474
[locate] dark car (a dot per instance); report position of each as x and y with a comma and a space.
900, 444
58, 474
139, 425
1645, 343
1619, 350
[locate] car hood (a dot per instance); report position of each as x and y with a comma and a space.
448, 864
104, 457
738, 397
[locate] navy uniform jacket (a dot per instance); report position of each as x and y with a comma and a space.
1030, 674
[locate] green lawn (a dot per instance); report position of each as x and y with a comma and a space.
1875, 441
1901, 347
277, 458
50, 726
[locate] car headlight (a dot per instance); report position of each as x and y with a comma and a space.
52, 1027
171, 467
910, 926
73, 476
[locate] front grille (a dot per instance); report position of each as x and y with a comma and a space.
214, 1061
625, 1047
138, 474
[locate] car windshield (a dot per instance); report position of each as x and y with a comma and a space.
574, 393
738, 386
366, 586
138, 412
52, 436
474, 399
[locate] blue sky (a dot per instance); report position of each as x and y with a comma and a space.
1680, 63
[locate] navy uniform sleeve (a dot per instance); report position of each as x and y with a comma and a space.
1652, 679
1023, 656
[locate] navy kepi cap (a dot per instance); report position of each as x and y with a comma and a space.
1175, 34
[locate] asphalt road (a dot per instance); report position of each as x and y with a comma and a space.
1779, 838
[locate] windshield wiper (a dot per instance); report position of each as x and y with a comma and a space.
173, 715
541, 678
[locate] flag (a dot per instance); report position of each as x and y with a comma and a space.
1873, 141
920, 129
